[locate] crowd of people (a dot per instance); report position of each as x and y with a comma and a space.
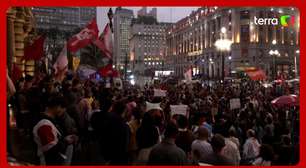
89, 122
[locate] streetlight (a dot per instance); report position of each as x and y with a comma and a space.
223, 30
230, 65
297, 52
273, 42
223, 45
274, 53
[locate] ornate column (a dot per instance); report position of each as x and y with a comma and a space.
29, 35
11, 16
23, 25
19, 38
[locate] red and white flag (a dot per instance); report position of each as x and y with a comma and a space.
61, 64
188, 75
85, 37
105, 42
257, 75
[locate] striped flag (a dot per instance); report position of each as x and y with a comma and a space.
61, 64
105, 42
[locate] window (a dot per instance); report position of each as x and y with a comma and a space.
244, 15
244, 33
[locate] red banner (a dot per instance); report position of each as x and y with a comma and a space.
85, 37
36, 50
257, 74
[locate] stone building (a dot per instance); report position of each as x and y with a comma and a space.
191, 42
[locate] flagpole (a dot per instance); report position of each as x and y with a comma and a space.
68, 56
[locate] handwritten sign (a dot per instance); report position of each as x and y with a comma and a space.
159, 93
179, 109
235, 103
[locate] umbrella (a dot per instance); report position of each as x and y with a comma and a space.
286, 100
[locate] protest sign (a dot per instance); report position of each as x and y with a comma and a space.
235, 103
179, 109
159, 93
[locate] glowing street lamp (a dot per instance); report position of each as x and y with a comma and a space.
223, 30
223, 45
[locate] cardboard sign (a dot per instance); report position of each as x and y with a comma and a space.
179, 109
159, 93
235, 103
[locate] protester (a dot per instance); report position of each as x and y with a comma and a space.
51, 144
265, 157
185, 137
251, 146
167, 153
200, 147
217, 157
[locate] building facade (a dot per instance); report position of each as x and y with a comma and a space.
20, 32
122, 21
60, 23
147, 46
191, 42
63, 18
143, 12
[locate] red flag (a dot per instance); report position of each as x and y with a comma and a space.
36, 50
16, 73
83, 38
61, 64
257, 74
108, 71
106, 42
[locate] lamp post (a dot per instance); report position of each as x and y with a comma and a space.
230, 66
274, 53
295, 63
223, 45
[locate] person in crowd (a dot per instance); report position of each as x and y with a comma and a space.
231, 150
113, 133
203, 121
185, 137
200, 147
265, 156
217, 157
24, 115
51, 144
250, 147
283, 151
233, 136
148, 133
167, 153
134, 125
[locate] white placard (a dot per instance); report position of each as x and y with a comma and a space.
235, 103
159, 93
179, 109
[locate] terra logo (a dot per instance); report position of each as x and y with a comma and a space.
284, 20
